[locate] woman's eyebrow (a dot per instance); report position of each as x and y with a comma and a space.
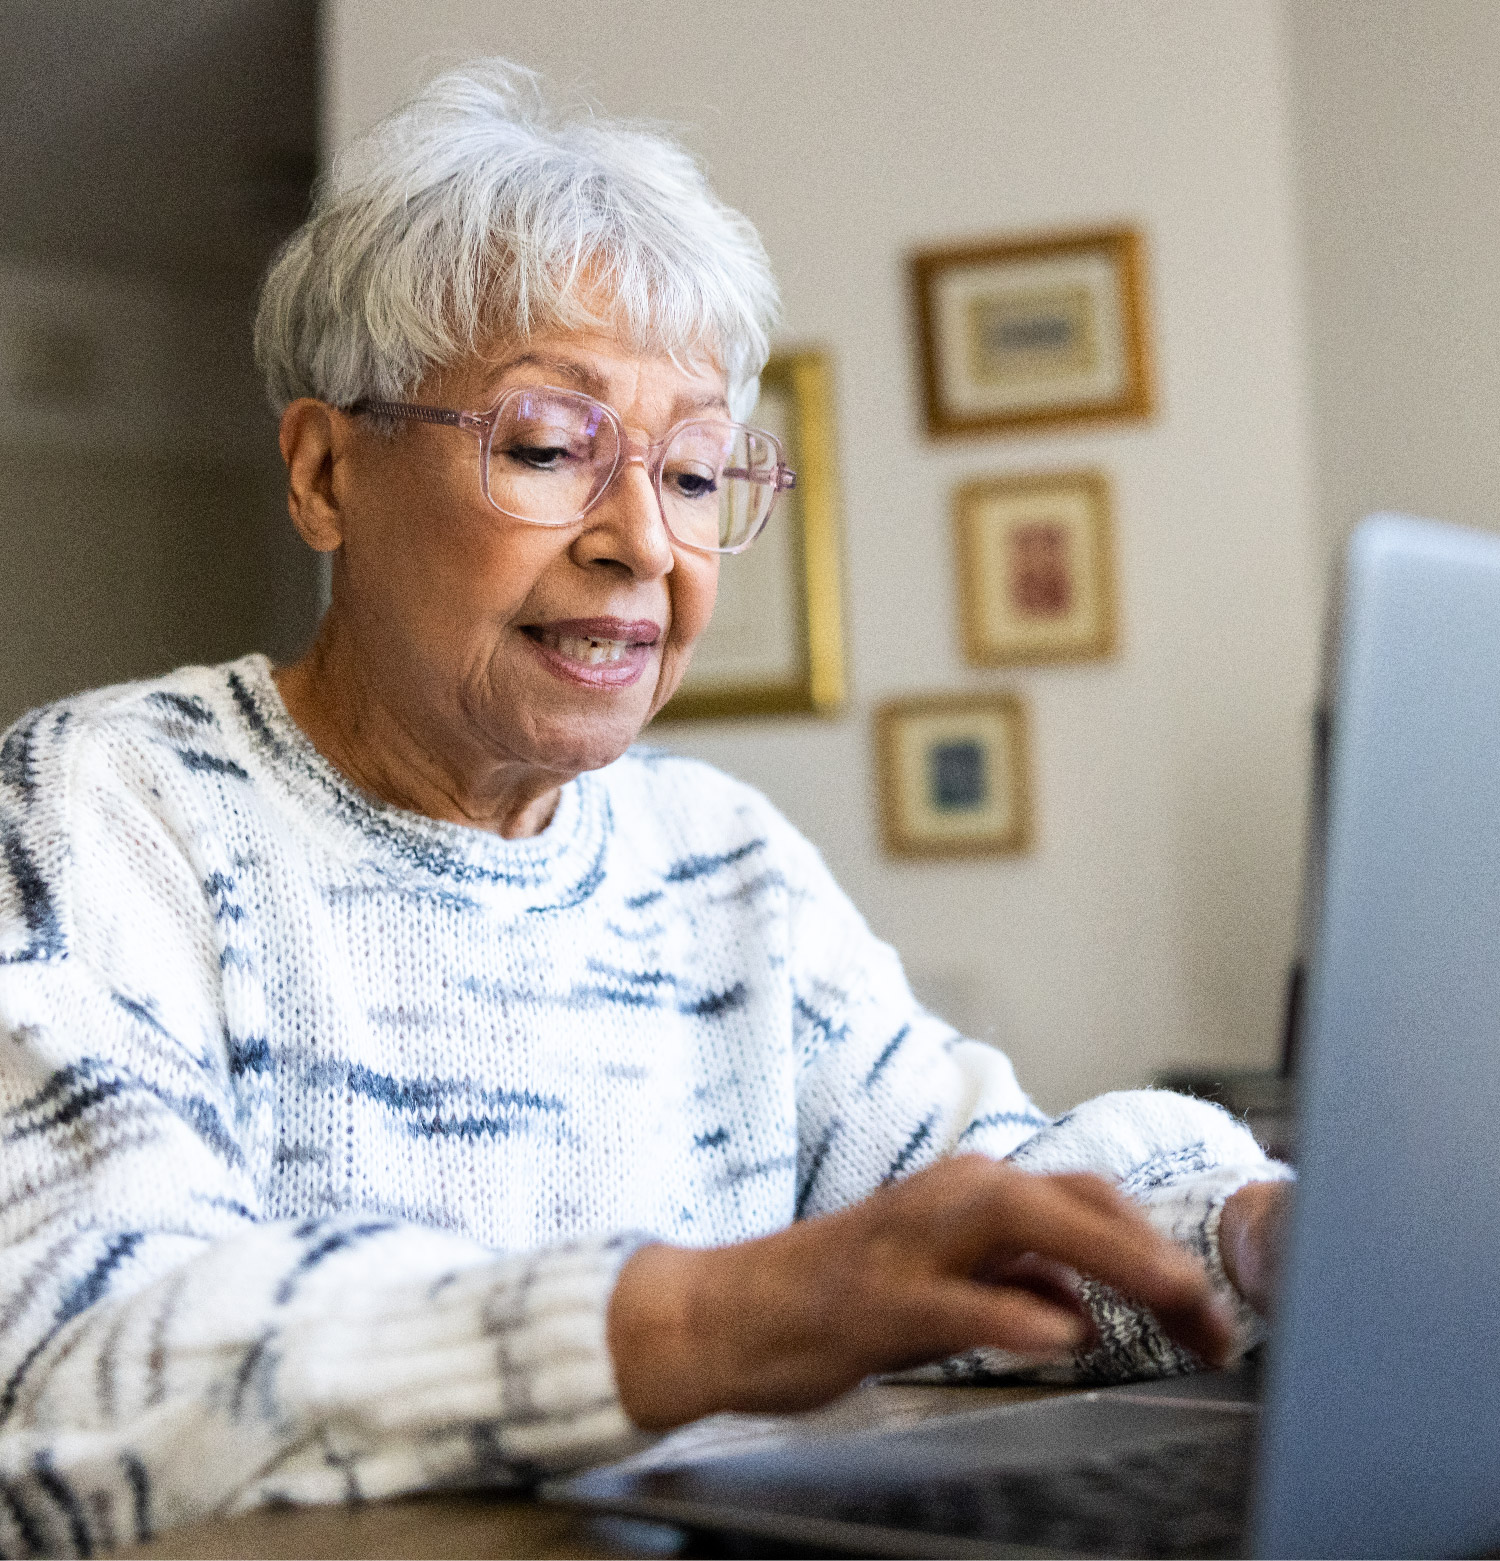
579, 374
712, 403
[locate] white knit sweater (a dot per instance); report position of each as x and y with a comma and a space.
326, 1126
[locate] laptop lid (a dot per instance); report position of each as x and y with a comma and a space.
1382, 1430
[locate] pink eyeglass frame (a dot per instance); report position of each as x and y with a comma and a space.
627, 452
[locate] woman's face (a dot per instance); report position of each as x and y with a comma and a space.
486, 629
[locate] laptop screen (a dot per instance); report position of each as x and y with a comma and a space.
1380, 1427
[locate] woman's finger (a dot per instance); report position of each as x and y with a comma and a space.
1205, 1327
1115, 1246
1050, 1282
1009, 1318
1090, 1188
1055, 1282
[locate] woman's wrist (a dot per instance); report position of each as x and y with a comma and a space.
664, 1374
760, 1326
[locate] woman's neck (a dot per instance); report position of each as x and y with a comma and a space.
370, 735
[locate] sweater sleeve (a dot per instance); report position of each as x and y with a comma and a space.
166, 1350
886, 1088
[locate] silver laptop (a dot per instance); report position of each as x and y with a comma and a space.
1380, 1428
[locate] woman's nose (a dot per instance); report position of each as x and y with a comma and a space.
628, 528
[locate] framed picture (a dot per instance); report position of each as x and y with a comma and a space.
775, 644
954, 775
1036, 579
1033, 332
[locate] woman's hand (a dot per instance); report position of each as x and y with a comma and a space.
968, 1252
1251, 1231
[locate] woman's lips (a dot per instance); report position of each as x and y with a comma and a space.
597, 652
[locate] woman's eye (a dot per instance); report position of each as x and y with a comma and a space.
694, 485
539, 457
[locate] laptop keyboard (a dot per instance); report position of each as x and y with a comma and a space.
1122, 1472
1181, 1497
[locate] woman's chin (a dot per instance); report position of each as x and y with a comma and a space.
558, 727
567, 747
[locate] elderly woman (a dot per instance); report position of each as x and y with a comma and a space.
406, 1081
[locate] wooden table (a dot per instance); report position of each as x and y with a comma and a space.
493, 1526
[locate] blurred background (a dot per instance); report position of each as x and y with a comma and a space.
1315, 182
153, 153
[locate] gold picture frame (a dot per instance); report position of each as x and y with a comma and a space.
775, 645
1036, 570
955, 775
1031, 333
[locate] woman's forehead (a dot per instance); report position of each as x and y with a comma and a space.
602, 364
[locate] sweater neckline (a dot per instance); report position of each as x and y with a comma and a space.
556, 867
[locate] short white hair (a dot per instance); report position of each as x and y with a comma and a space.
475, 209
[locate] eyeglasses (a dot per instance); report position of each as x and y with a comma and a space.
546, 457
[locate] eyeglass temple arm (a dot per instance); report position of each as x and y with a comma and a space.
785, 479
421, 414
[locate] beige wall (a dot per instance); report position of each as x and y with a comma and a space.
1397, 138
1153, 923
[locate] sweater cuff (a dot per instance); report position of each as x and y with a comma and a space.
496, 1374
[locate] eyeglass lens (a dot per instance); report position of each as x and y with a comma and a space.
551, 454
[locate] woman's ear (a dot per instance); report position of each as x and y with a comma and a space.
313, 436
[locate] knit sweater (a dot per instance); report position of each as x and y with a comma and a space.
328, 1126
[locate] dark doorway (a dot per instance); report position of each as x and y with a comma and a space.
156, 154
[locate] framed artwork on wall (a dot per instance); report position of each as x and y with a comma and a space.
1027, 333
954, 775
1036, 576
775, 644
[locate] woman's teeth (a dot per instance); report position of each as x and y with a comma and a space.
590, 652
